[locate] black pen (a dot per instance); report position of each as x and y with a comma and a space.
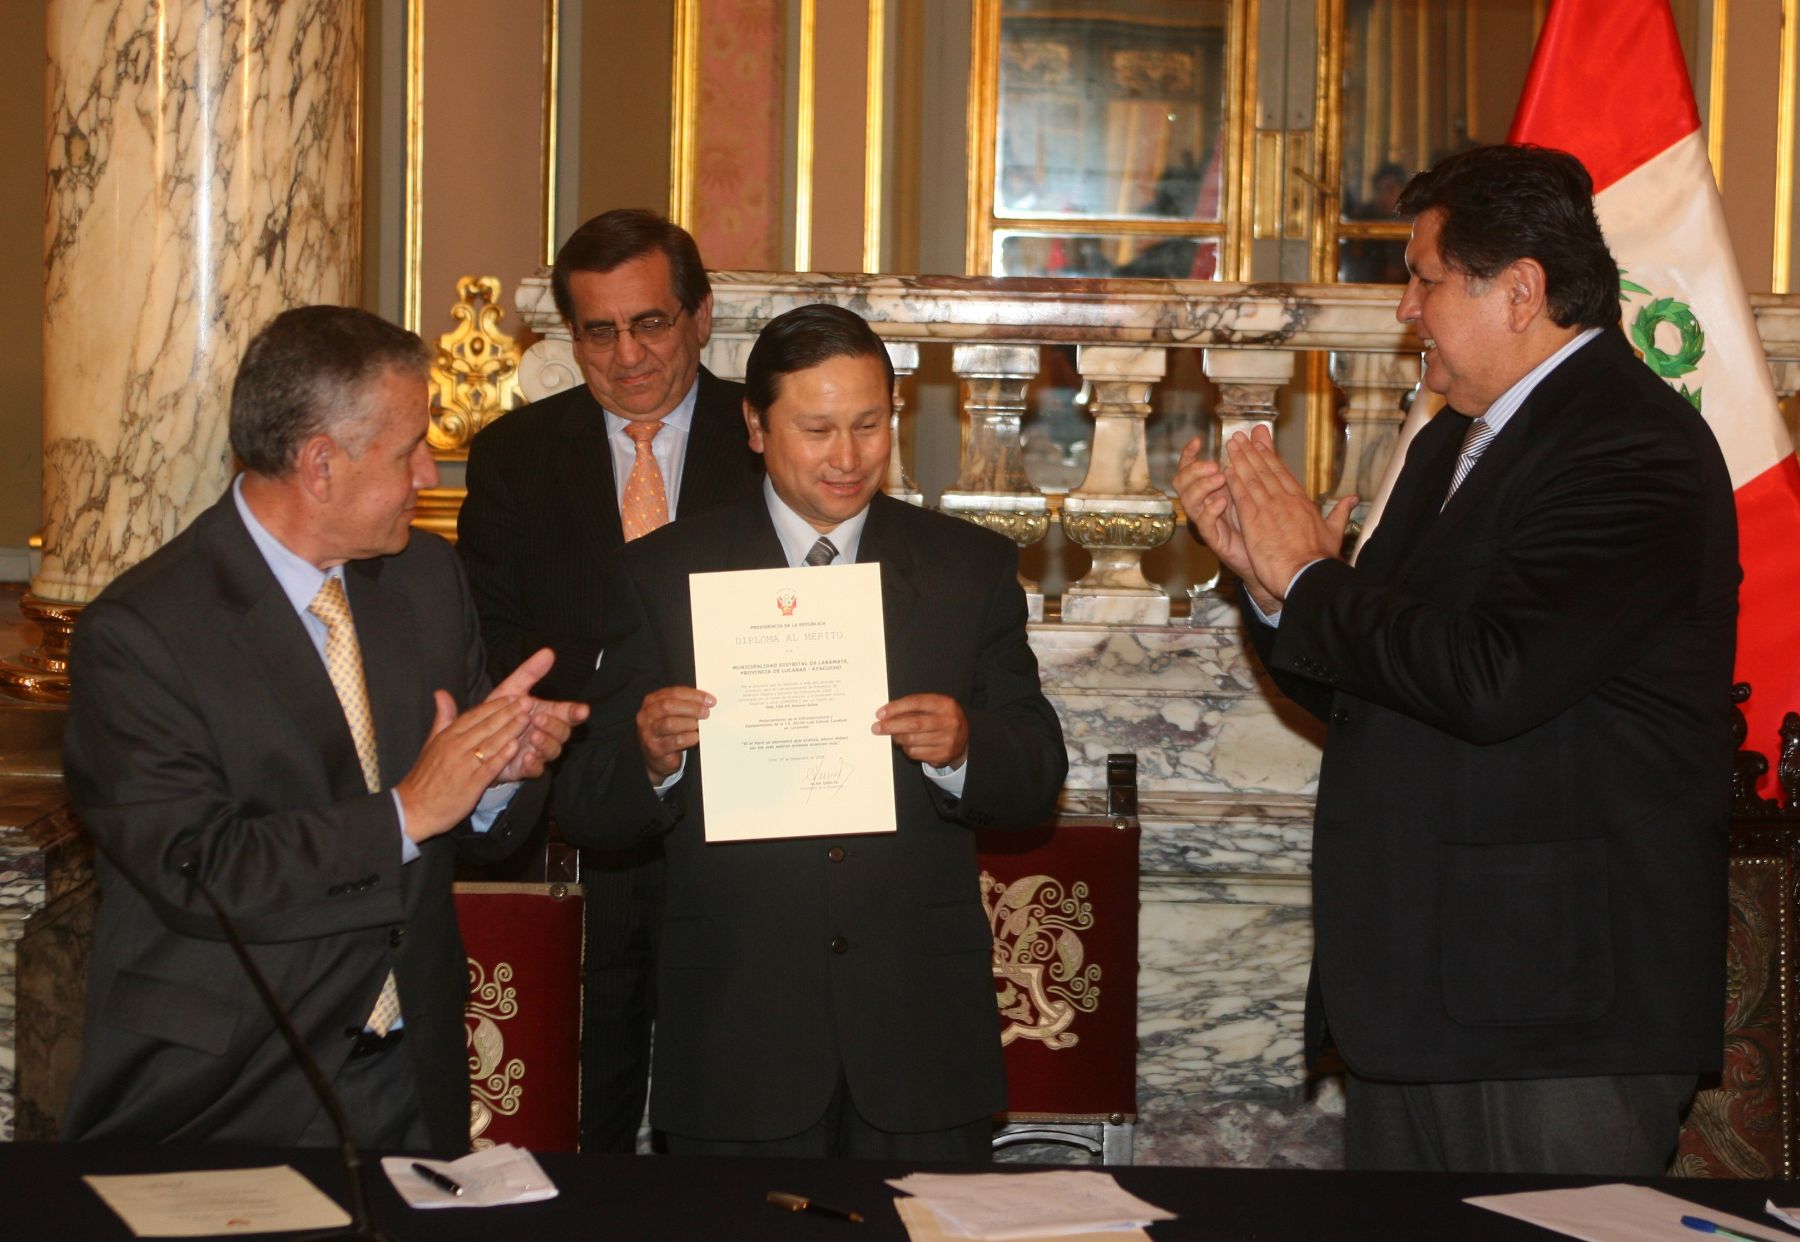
448, 1184
800, 1203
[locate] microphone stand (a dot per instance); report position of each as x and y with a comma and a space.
362, 1224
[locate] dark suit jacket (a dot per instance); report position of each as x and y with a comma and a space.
786, 961
1519, 855
542, 519
203, 727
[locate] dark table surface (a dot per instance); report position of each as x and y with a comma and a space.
656, 1198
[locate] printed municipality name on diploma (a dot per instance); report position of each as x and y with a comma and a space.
797, 659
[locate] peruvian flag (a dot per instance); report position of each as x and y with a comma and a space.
1685, 309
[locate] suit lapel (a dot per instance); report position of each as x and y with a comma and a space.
754, 543
883, 542
716, 435
886, 544
1517, 439
1418, 493
271, 638
584, 472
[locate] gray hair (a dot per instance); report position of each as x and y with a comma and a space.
306, 373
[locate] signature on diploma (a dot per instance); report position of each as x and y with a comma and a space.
827, 772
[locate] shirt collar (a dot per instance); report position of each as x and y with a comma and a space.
1501, 412
300, 579
798, 535
680, 418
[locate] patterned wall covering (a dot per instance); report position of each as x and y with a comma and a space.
737, 203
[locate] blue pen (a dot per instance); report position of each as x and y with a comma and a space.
1701, 1224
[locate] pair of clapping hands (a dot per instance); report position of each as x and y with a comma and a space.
1255, 516
509, 736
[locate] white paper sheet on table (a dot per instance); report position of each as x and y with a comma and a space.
922, 1225
492, 1178
1615, 1212
208, 1202
1018, 1207
797, 659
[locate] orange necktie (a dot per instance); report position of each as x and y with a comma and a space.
646, 504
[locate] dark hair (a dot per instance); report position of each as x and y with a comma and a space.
302, 375
801, 339
1504, 203
620, 236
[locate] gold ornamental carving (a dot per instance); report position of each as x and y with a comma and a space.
1118, 530
475, 377
1040, 974
1023, 526
496, 1086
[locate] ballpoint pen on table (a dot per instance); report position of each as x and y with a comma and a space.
447, 1184
1702, 1225
800, 1203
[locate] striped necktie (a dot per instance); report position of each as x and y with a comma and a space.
822, 553
1475, 442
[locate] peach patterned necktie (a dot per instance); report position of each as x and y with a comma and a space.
343, 663
645, 505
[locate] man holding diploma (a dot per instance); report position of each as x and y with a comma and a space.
824, 995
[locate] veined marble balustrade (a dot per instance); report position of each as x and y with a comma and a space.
1252, 337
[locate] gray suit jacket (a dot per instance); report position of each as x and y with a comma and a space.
786, 963
203, 728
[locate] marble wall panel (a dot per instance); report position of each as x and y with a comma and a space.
46, 906
1189, 701
1221, 988
51, 979
203, 175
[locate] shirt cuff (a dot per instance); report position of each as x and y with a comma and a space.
492, 804
673, 777
950, 780
409, 848
1273, 619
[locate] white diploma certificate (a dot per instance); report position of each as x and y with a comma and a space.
205, 1203
797, 659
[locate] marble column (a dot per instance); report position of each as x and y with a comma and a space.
905, 357
204, 174
1248, 380
992, 489
1375, 385
1116, 514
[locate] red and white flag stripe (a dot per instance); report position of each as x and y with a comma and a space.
1608, 84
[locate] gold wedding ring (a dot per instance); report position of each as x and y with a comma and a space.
479, 757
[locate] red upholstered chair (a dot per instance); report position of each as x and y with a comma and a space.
524, 943
1063, 903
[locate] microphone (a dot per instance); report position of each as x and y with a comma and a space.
362, 1225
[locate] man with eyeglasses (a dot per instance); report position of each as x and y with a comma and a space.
556, 489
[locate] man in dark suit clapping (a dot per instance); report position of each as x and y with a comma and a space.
287, 704
1519, 849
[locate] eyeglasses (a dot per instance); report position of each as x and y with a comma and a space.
645, 331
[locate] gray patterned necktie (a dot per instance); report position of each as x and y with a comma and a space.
823, 552
1475, 442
